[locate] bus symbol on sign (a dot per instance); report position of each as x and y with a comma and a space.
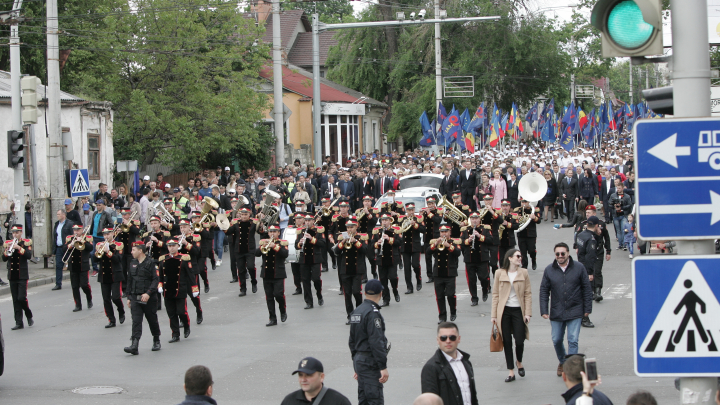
709, 148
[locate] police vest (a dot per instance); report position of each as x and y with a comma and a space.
179, 205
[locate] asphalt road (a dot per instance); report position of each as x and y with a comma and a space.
251, 363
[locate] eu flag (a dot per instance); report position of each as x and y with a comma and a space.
428, 138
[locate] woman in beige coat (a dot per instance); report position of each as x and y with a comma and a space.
512, 305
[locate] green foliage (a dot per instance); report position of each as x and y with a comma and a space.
330, 11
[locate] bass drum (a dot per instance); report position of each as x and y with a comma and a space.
290, 235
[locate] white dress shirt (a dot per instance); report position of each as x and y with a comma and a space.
461, 375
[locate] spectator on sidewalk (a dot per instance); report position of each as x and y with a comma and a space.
61, 230
573, 379
72, 214
198, 386
311, 379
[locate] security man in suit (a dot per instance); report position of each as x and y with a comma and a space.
243, 232
369, 347
446, 253
387, 242
129, 230
411, 247
79, 265
467, 184
432, 217
310, 244
18, 274
527, 238
111, 276
274, 251
142, 293
366, 224
175, 277
476, 242
350, 251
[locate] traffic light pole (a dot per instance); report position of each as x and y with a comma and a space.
15, 101
691, 98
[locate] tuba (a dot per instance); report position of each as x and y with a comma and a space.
451, 212
207, 217
533, 188
270, 212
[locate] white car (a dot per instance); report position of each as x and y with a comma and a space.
416, 188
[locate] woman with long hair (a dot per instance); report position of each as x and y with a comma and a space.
483, 188
588, 187
550, 196
512, 306
499, 186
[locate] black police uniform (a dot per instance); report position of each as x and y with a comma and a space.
351, 267
18, 276
110, 277
411, 249
368, 349
143, 279
476, 254
603, 243
79, 268
388, 260
273, 274
310, 257
432, 220
527, 237
587, 243
444, 275
177, 278
243, 236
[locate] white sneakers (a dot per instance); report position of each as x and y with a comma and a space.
631, 256
219, 262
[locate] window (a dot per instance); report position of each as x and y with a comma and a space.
94, 156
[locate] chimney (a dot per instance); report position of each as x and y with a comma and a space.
262, 10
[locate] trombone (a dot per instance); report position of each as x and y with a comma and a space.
77, 244
126, 228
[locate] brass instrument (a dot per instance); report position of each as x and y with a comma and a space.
440, 243
222, 222
77, 244
360, 213
270, 212
126, 228
164, 214
501, 228
407, 223
451, 212
348, 244
265, 248
532, 187
11, 249
207, 217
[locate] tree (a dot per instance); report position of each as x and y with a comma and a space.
330, 11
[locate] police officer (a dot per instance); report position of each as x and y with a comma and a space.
274, 251
18, 274
603, 240
142, 294
588, 254
369, 346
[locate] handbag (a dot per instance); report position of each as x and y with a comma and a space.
496, 343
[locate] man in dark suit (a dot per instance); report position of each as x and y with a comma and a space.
327, 189
61, 230
467, 185
382, 184
363, 186
607, 188
441, 378
448, 185
347, 188
569, 192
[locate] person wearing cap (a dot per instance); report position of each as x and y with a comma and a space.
242, 233
312, 388
176, 279
142, 287
477, 240
338, 226
128, 231
232, 214
71, 213
224, 178
527, 237
99, 221
206, 248
350, 250
299, 223
369, 347
493, 220
446, 252
18, 273
180, 203
310, 245
111, 276
367, 218
412, 248
588, 254
454, 227
325, 219
155, 239
273, 272
509, 225
190, 246
387, 241
432, 218
78, 263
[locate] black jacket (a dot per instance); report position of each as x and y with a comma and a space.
314, 245
587, 250
175, 274
530, 231
449, 255
79, 259
569, 190
507, 239
588, 187
360, 191
110, 267
513, 193
331, 397
64, 233
105, 222
569, 291
447, 186
197, 400
367, 334
390, 246
143, 277
467, 185
624, 201
17, 263
351, 262
243, 236
275, 257
576, 391
379, 189
439, 378
482, 245
411, 237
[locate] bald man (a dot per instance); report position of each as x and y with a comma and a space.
428, 398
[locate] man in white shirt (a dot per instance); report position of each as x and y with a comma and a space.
449, 372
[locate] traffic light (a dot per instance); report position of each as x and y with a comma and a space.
660, 99
629, 27
29, 84
15, 147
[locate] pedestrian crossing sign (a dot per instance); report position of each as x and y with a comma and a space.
676, 316
79, 183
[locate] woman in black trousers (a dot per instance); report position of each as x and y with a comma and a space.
588, 186
550, 196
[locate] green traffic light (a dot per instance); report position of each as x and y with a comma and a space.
626, 26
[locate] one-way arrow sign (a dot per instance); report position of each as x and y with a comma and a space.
712, 208
667, 151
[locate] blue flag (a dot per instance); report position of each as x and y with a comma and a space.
428, 138
442, 114
452, 129
569, 121
547, 128
478, 119
465, 119
532, 114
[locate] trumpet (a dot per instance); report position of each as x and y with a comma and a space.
348, 244
265, 248
11, 249
440, 244
77, 244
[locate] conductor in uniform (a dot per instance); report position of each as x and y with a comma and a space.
18, 274
142, 296
369, 346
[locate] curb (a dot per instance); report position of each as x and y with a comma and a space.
5, 290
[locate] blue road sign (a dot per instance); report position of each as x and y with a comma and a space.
676, 327
79, 183
677, 172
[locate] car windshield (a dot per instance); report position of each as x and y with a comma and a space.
418, 201
421, 180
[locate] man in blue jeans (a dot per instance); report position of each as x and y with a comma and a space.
620, 207
61, 230
567, 284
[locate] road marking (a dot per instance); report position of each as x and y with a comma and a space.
617, 291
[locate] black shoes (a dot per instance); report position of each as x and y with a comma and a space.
272, 322
598, 295
474, 302
341, 292
133, 348
174, 339
187, 333
156, 343
213, 265
587, 323
16, 327
409, 291
534, 264
122, 318
321, 301
3, 282
298, 291
334, 266
283, 317
243, 293
181, 324
110, 325
510, 378
207, 289
77, 308
31, 322
521, 371
485, 296
308, 306
441, 320
233, 281
199, 319
396, 293
57, 287
89, 304
386, 303
453, 317
430, 280
419, 284
254, 288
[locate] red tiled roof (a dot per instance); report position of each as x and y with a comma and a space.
302, 85
301, 52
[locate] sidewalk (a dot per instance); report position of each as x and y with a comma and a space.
38, 276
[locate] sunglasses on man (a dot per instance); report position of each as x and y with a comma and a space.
451, 337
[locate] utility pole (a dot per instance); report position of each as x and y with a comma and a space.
56, 151
631, 85
438, 65
691, 98
317, 139
16, 108
277, 86
647, 77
